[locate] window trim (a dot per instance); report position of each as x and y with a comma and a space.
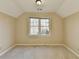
50, 26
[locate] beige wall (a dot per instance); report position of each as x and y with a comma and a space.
7, 31
22, 27
71, 27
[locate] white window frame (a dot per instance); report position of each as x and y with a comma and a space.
39, 26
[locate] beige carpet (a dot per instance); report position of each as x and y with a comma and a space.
38, 53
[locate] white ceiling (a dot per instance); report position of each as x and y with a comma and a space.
17, 7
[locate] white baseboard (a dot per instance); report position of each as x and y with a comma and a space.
39, 44
71, 50
5, 51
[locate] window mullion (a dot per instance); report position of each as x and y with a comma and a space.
39, 26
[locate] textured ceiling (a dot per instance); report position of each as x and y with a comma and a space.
17, 7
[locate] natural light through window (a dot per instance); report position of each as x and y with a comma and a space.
39, 26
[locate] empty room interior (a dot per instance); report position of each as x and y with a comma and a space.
39, 29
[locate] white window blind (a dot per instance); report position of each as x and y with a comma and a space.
39, 26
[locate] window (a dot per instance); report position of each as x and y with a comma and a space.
39, 26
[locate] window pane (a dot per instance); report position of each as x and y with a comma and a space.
34, 31
34, 22
44, 30
44, 22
